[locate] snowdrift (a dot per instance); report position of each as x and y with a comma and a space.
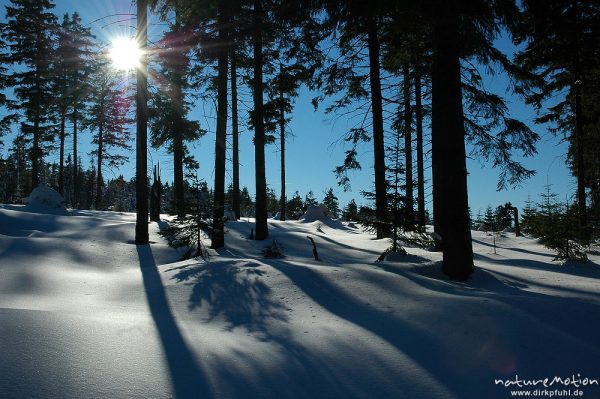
316, 212
44, 199
85, 313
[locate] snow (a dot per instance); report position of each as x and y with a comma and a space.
316, 212
86, 313
44, 199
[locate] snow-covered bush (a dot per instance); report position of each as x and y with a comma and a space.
44, 197
316, 212
273, 250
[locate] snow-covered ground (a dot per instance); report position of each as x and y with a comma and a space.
85, 313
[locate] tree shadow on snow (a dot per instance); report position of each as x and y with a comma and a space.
187, 376
414, 342
587, 270
233, 291
515, 249
566, 315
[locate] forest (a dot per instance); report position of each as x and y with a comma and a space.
411, 71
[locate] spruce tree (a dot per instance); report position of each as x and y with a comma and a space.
295, 206
169, 120
30, 33
310, 200
258, 18
350, 212
141, 135
78, 62
331, 202
560, 40
108, 118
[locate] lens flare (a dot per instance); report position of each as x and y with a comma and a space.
125, 53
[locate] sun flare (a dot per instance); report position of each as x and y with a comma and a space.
125, 53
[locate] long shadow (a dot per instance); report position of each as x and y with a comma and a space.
587, 270
346, 246
413, 342
234, 291
515, 249
538, 306
187, 376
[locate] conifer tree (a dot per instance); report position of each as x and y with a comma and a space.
78, 62
61, 86
258, 18
168, 114
108, 118
560, 45
295, 206
310, 200
141, 133
30, 35
350, 212
331, 202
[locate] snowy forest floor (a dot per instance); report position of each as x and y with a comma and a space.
86, 313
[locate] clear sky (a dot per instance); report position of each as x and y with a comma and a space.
314, 150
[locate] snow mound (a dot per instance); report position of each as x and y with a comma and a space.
44, 199
316, 212
320, 213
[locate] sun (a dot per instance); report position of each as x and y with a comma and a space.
125, 53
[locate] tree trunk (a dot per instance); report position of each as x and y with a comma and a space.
141, 164
262, 230
178, 152
378, 142
178, 184
410, 213
218, 238
579, 141
36, 152
76, 195
282, 140
99, 180
61, 161
581, 172
420, 164
516, 219
236, 203
448, 145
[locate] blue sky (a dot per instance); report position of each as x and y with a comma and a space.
313, 151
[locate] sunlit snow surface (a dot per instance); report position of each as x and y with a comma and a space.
86, 313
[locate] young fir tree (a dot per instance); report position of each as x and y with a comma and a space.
188, 233
556, 226
246, 203
489, 220
29, 33
295, 206
310, 200
350, 212
528, 217
331, 202
504, 215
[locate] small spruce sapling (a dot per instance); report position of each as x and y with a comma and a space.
273, 250
188, 231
